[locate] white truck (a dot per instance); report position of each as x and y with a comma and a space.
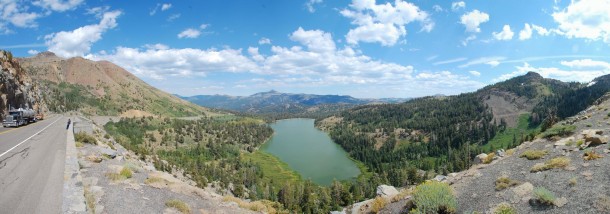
19, 117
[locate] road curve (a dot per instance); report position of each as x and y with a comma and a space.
32, 161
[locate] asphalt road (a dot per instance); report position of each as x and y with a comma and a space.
32, 167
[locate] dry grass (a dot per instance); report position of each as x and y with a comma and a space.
510, 152
378, 204
126, 172
151, 180
591, 155
179, 205
489, 158
264, 206
504, 208
533, 154
504, 182
89, 199
573, 181
402, 194
114, 176
558, 162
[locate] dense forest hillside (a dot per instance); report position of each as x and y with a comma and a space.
443, 134
277, 105
100, 88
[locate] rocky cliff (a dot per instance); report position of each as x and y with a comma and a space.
16, 88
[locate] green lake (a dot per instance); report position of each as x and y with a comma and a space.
310, 152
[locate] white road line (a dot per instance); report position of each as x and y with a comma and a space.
29, 138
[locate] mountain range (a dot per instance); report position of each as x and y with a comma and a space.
282, 105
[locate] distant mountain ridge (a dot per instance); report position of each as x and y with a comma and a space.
274, 102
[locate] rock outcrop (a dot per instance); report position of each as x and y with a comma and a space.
16, 88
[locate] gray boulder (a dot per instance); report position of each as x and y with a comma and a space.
386, 191
479, 158
106, 151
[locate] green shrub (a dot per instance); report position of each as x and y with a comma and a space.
179, 205
533, 154
126, 172
84, 138
504, 208
434, 197
559, 130
544, 196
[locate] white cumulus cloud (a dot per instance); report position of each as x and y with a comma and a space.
58, 5
580, 74
473, 19
189, 33
585, 19
166, 6
458, 5
33, 52
526, 33
383, 23
586, 64
264, 41
310, 5
79, 41
475, 73
505, 34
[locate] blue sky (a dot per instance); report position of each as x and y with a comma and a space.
362, 48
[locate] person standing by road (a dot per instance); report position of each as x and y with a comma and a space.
68, 126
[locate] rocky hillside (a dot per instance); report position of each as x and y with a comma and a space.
100, 88
564, 171
16, 88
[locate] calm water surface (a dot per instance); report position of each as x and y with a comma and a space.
310, 152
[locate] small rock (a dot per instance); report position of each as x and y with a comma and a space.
500, 153
560, 202
439, 178
585, 164
452, 174
606, 151
571, 168
145, 198
149, 168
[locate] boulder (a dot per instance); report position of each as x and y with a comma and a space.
595, 140
109, 152
386, 191
500, 153
479, 158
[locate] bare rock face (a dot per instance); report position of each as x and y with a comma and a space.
16, 88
